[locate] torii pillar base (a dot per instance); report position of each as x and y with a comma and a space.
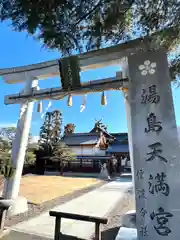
19, 205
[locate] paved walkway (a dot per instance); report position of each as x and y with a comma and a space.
98, 202
13, 235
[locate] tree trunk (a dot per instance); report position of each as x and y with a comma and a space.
61, 168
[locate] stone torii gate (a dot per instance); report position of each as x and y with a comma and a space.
152, 131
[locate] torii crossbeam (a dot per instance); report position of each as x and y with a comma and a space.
91, 60
32, 73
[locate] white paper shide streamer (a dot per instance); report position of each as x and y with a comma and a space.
40, 105
83, 105
47, 108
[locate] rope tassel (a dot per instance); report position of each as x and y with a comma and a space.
69, 101
103, 99
39, 107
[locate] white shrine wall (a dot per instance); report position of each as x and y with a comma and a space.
87, 150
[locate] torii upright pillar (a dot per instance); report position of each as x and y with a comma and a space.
19, 145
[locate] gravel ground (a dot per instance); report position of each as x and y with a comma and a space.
34, 210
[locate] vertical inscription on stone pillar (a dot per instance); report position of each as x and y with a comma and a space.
153, 124
157, 183
155, 151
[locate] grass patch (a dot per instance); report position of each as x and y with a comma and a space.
39, 189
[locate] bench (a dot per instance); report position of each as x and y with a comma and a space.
59, 215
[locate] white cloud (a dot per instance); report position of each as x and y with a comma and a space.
34, 139
3, 125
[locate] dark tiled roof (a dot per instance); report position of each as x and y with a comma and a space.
98, 129
94, 157
76, 139
120, 144
118, 148
82, 134
81, 139
120, 136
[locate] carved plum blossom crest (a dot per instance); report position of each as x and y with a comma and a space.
147, 68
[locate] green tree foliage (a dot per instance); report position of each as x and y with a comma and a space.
82, 25
30, 157
5, 151
61, 152
56, 127
50, 144
7, 136
69, 128
7, 169
4, 145
46, 129
50, 132
8, 133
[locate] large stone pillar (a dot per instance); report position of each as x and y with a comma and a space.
19, 146
155, 147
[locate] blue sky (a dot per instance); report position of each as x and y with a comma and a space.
17, 49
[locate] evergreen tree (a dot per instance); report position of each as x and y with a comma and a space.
50, 144
50, 132
82, 25
46, 129
61, 153
56, 126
